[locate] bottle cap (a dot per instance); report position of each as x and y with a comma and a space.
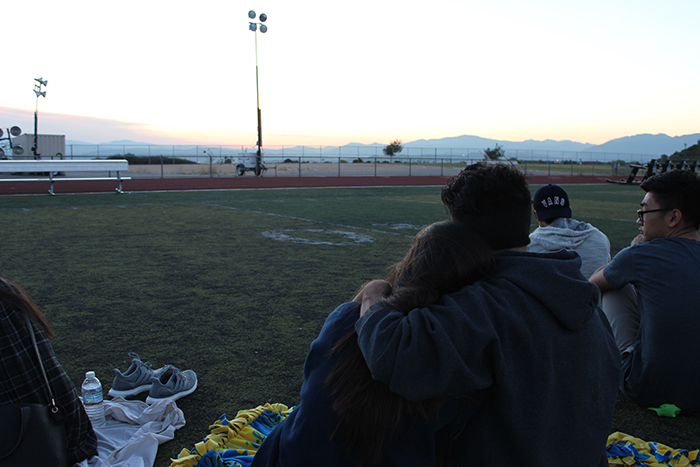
90, 374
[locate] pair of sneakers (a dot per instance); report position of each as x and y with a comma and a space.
164, 383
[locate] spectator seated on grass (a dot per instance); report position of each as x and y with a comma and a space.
345, 418
650, 295
530, 340
21, 377
558, 231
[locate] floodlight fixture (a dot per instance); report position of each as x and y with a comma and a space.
263, 17
253, 26
42, 81
14, 131
251, 14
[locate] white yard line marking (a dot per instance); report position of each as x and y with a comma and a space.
307, 220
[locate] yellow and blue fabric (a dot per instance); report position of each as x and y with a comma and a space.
623, 449
233, 443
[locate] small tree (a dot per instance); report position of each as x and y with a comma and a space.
393, 148
494, 154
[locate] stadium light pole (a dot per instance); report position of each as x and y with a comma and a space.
37, 90
253, 26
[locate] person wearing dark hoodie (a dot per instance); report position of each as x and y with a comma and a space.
558, 231
530, 338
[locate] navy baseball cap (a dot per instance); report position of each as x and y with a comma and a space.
550, 202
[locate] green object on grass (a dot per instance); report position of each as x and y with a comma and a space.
666, 410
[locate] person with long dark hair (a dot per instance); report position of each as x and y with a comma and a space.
21, 380
345, 418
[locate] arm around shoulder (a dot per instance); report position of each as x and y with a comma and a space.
429, 352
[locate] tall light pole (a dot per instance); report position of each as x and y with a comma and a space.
253, 26
37, 90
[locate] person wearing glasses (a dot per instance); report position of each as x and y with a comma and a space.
650, 295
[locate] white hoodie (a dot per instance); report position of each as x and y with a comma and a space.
569, 234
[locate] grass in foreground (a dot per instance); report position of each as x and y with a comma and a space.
190, 279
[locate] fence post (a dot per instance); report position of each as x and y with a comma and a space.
338, 166
161, 166
409, 166
211, 169
302, 150
375, 165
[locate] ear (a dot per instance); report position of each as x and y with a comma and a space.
675, 219
535, 212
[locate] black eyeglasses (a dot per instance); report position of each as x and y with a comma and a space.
641, 213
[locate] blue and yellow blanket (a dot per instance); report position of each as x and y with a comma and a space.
233, 443
624, 449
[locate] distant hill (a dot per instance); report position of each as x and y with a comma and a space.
645, 144
655, 145
477, 142
125, 141
120, 142
688, 154
638, 147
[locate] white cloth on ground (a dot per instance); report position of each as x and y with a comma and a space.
133, 431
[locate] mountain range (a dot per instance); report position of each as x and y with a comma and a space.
647, 145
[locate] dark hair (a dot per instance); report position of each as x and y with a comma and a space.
494, 200
13, 295
444, 257
677, 189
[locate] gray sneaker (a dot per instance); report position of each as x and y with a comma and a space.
137, 379
172, 385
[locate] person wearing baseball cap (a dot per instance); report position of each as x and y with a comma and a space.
558, 231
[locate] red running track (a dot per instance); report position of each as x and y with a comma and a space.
236, 183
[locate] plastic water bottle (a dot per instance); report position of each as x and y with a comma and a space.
92, 399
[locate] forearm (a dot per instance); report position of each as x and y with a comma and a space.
598, 278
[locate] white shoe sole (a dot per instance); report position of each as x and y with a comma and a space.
174, 397
129, 392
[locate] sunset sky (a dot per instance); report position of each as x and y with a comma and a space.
173, 72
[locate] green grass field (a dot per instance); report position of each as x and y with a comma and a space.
202, 280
